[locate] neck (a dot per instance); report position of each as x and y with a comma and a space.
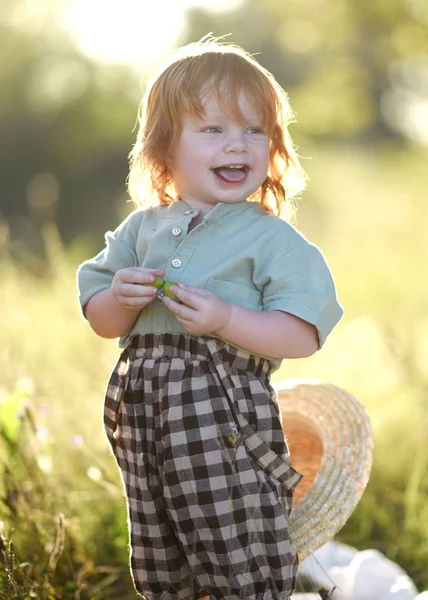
201, 207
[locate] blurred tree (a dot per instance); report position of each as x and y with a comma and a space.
64, 117
335, 57
356, 72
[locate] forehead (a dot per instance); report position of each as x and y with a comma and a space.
235, 107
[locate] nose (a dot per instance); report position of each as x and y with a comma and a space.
235, 142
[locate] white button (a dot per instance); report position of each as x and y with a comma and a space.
176, 231
176, 263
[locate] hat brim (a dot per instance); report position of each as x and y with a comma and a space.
343, 427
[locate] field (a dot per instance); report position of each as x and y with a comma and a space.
64, 520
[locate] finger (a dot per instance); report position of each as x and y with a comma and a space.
187, 296
139, 291
135, 302
192, 289
141, 277
184, 322
147, 270
157, 272
179, 310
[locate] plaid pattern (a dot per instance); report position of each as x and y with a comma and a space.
195, 428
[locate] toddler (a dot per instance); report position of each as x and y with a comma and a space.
208, 286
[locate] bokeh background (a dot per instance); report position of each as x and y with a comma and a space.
72, 73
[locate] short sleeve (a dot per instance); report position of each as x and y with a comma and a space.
300, 283
97, 273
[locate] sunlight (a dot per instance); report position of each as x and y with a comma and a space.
129, 31
132, 31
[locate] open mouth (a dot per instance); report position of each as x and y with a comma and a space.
232, 173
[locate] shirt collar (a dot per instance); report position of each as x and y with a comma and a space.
222, 211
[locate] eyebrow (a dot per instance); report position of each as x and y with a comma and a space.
212, 116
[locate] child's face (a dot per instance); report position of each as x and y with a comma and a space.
218, 159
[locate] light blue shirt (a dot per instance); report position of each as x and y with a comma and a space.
243, 255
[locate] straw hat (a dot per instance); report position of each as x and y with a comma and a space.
331, 445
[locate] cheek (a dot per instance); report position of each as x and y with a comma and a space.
182, 158
190, 169
196, 160
262, 149
264, 158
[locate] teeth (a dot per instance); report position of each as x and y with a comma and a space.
234, 166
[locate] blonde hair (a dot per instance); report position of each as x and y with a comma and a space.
198, 69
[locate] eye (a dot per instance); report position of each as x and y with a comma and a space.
211, 129
255, 130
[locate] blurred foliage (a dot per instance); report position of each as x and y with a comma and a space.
64, 117
376, 244
60, 538
54, 371
33, 565
357, 75
339, 60
356, 72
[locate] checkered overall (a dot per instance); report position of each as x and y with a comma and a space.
196, 431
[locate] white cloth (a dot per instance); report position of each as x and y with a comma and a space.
366, 575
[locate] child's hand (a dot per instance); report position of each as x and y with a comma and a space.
131, 287
201, 310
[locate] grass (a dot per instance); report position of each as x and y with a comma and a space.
64, 529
